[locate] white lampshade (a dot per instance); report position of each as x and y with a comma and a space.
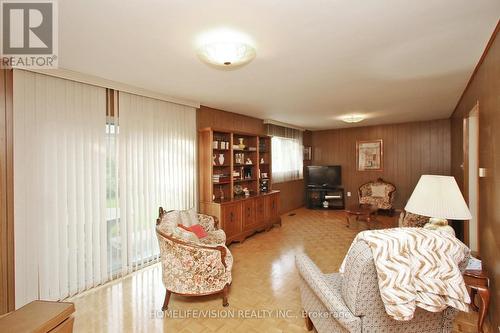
438, 196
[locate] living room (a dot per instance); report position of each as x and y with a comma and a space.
213, 172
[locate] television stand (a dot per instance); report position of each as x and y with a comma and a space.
325, 198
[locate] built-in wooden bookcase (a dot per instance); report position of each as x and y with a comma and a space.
222, 186
264, 162
230, 162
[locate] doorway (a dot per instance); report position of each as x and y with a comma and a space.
471, 175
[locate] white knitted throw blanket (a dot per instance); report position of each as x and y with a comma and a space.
417, 267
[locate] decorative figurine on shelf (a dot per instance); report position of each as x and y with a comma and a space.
248, 161
325, 204
263, 175
239, 158
246, 191
241, 145
262, 160
221, 159
221, 193
214, 160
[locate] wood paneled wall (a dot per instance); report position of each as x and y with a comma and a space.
410, 150
209, 117
292, 193
484, 87
6, 195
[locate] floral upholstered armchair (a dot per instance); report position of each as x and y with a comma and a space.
193, 266
377, 193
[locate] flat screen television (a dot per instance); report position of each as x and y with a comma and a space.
324, 176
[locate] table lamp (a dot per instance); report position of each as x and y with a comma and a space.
439, 198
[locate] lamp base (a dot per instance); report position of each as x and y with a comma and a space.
437, 221
440, 224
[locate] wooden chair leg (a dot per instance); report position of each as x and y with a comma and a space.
224, 296
473, 293
309, 323
484, 294
167, 299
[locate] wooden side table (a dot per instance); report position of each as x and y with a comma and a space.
40, 317
479, 284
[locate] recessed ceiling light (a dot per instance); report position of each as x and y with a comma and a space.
225, 49
352, 118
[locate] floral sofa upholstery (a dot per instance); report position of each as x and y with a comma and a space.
351, 302
191, 266
378, 193
407, 219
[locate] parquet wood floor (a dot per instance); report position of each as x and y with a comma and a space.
264, 295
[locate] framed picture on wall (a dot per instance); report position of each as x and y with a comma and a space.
370, 155
307, 153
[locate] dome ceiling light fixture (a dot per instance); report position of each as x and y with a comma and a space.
352, 118
225, 49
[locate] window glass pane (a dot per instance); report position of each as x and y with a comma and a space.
287, 159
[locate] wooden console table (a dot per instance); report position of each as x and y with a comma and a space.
479, 283
40, 317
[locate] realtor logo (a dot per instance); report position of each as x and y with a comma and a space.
29, 34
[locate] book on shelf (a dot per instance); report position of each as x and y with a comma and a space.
221, 180
218, 178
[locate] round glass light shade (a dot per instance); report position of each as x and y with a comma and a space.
353, 118
226, 55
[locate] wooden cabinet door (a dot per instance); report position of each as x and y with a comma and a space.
248, 214
273, 206
231, 214
260, 210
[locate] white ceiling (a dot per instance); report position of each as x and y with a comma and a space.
393, 60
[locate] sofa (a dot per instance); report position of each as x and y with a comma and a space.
351, 302
192, 266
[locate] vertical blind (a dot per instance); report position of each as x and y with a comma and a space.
157, 167
87, 188
287, 157
59, 187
